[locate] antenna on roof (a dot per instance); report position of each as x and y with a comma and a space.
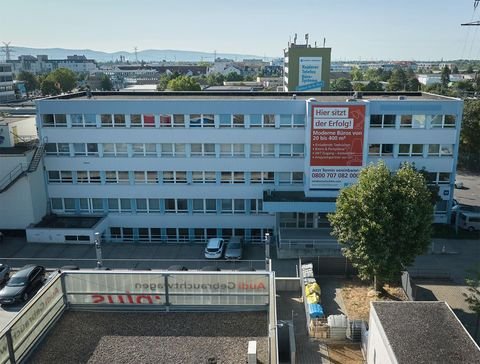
295, 39
324, 40
306, 39
136, 54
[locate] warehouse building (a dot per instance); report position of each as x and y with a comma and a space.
190, 166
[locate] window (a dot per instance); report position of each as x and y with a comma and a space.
238, 177
141, 204
97, 204
417, 149
148, 121
434, 149
380, 149
113, 205
375, 121
374, 149
285, 120
121, 150
106, 120
111, 177
239, 206
436, 121
66, 177
125, 205
135, 121
69, 204
450, 121
238, 121
166, 121
195, 120
226, 206
180, 177
48, 120
168, 177
443, 178
90, 120
123, 177
226, 177
53, 176
255, 121
57, 203
406, 121
198, 205
284, 178
119, 120
225, 120
298, 121
182, 205
60, 120
153, 205
94, 177
152, 177
208, 121
210, 205
57, 149
79, 149
139, 177
419, 121
92, 149
166, 150
197, 177
446, 150
179, 121
297, 177
77, 120
268, 121
169, 205
404, 149
209, 149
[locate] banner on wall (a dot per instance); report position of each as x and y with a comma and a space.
336, 145
310, 74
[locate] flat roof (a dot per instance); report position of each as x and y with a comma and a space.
158, 337
68, 222
329, 96
425, 332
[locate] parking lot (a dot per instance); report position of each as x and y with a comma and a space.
470, 193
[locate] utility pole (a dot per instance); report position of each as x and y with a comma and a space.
473, 23
7, 50
136, 54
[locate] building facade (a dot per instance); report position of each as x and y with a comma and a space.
42, 65
189, 166
7, 92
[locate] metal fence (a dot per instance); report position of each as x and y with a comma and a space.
408, 286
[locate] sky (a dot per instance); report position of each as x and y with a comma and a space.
355, 30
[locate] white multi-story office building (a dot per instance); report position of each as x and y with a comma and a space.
188, 166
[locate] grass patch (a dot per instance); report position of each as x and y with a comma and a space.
448, 232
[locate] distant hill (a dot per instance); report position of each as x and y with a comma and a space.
148, 55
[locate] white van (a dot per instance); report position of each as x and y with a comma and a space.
469, 220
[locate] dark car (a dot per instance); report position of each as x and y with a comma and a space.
4, 273
22, 284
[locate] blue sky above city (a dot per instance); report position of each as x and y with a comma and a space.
365, 30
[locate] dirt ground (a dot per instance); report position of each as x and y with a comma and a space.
357, 296
345, 354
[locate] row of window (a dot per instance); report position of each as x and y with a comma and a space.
175, 150
179, 177
413, 121
146, 234
155, 205
411, 150
173, 120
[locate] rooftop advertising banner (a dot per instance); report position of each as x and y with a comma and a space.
310, 74
336, 145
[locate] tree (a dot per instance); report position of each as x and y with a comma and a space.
469, 153
183, 83
470, 69
398, 80
65, 78
373, 86
455, 69
357, 74
473, 297
49, 87
413, 84
445, 77
215, 79
31, 82
342, 84
384, 221
105, 83
165, 79
232, 76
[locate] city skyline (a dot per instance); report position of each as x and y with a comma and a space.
373, 31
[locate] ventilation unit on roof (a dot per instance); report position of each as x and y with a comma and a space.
401, 97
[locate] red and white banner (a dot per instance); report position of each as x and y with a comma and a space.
336, 145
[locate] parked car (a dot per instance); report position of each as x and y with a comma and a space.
459, 185
234, 248
214, 248
4, 273
22, 284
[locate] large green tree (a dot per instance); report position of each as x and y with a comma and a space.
49, 87
31, 82
384, 221
65, 79
398, 80
469, 155
473, 297
183, 83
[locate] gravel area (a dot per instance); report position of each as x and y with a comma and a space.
118, 337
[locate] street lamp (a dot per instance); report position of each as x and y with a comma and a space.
98, 249
267, 245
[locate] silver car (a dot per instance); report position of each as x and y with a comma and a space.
234, 248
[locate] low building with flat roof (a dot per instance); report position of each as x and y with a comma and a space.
418, 332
